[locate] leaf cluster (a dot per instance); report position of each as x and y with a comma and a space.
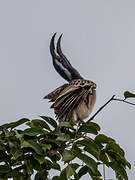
43, 144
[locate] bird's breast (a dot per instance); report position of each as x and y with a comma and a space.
84, 109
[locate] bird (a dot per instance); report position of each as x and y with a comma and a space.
73, 101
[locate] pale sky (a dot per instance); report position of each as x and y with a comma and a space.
99, 41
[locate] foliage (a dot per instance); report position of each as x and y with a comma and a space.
44, 144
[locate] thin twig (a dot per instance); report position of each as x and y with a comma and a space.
112, 98
101, 108
123, 100
104, 171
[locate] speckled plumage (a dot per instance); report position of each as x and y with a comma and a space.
73, 101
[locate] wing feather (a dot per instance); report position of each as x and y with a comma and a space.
66, 105
54, 94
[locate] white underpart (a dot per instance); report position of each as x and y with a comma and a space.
64, 69
75, 116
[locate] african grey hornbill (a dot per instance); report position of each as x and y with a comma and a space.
73, 101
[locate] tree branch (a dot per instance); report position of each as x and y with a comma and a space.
123, 100
101, 108
112, 98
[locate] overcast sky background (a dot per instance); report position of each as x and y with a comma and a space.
99, 41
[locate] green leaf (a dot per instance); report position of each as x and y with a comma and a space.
4, 156
94, 125
101, 138
8, 133
115, 147
35, 163
67, 156
32, 144
63, 174
91, 163
56, 166
75, 150
90, 146
76, 177
47, 164
2, 147
74, 166
41, 175
39, 158
55, 157
128, 94
45, 146
29, 167
89, 127
63, 137
16, 153
33, 131
56, 178
83, 171
18, 178
14, 173
119, 170
94, 176
49, 120
69, 171
66, 124
92, 151
127, 163
4, 169
38, 123
52, 141
14, 124
115, 156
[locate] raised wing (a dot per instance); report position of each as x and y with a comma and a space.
78, 97
55, 94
